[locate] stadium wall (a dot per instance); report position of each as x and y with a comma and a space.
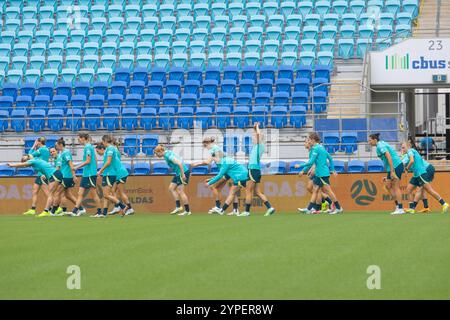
148, 194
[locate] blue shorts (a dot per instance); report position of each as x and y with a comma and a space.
321, 181
122, 180
242, 183
39, 181
254, 175
56, 177
108, 181
178, 181
88, 182
423, 179
68, 183
398, 171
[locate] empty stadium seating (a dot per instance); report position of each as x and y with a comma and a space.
56, 52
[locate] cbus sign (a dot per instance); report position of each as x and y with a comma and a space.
412, 62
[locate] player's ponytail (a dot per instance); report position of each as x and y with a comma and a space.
107, 138
375, 136
159, 149
42, 140
26, 157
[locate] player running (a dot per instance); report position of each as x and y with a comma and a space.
423, 175
237, 172
254, 173
208, 143
109, 174
180, 180
89, 178
394, 168
420, 193
321, 181
327, 204
53, 176
38, 151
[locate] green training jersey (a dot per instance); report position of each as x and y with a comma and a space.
66, 158
229, 166
121, 171
42, 153
383, 148
419, 166
111, 169
42, 167
320, 157
90, 169
58, 161
254, 161
170, 157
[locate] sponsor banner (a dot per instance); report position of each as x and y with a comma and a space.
356, 192
411, 62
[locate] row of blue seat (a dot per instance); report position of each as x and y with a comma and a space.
165, 118
275, 167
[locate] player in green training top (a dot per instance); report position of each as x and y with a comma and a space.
38, 151
394, 168
181, 179
64, 163
89, 178
321, 181
423, 175
210, 145
44, 168
119, 185
254, 173
237, 172
109, 176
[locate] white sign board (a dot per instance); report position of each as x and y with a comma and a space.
411, 62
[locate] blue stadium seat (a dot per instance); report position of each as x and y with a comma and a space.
100, 88
173, 87
208, 100
200, 170
160, 168
292, 169
356, 166
92, 119
304, 72
158, 74
132, 145
375, 165
298, 116
111, 118
18, 123
119, 87
241, 117
56, 119
37, 120
260, 114
231, 73
133, 100
319, 102
123, 75
148, 118
210, 86
279, 116
82, 88
246, 86
166, 118
28, 89
349, 141
249, 72
10, 90
185, 117
170, 100
152, 101
6, 103
129, 118
4, 115
149, 143
339, 166
223, 116
156, 87
74, 119
283, 85
277, 167
204, 117
356, 125
322, 125
195, 73
141, 74
6, 171
141, 169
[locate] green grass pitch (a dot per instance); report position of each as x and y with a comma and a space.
286, 256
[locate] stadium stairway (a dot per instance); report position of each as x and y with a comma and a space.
345, 92
433, 19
